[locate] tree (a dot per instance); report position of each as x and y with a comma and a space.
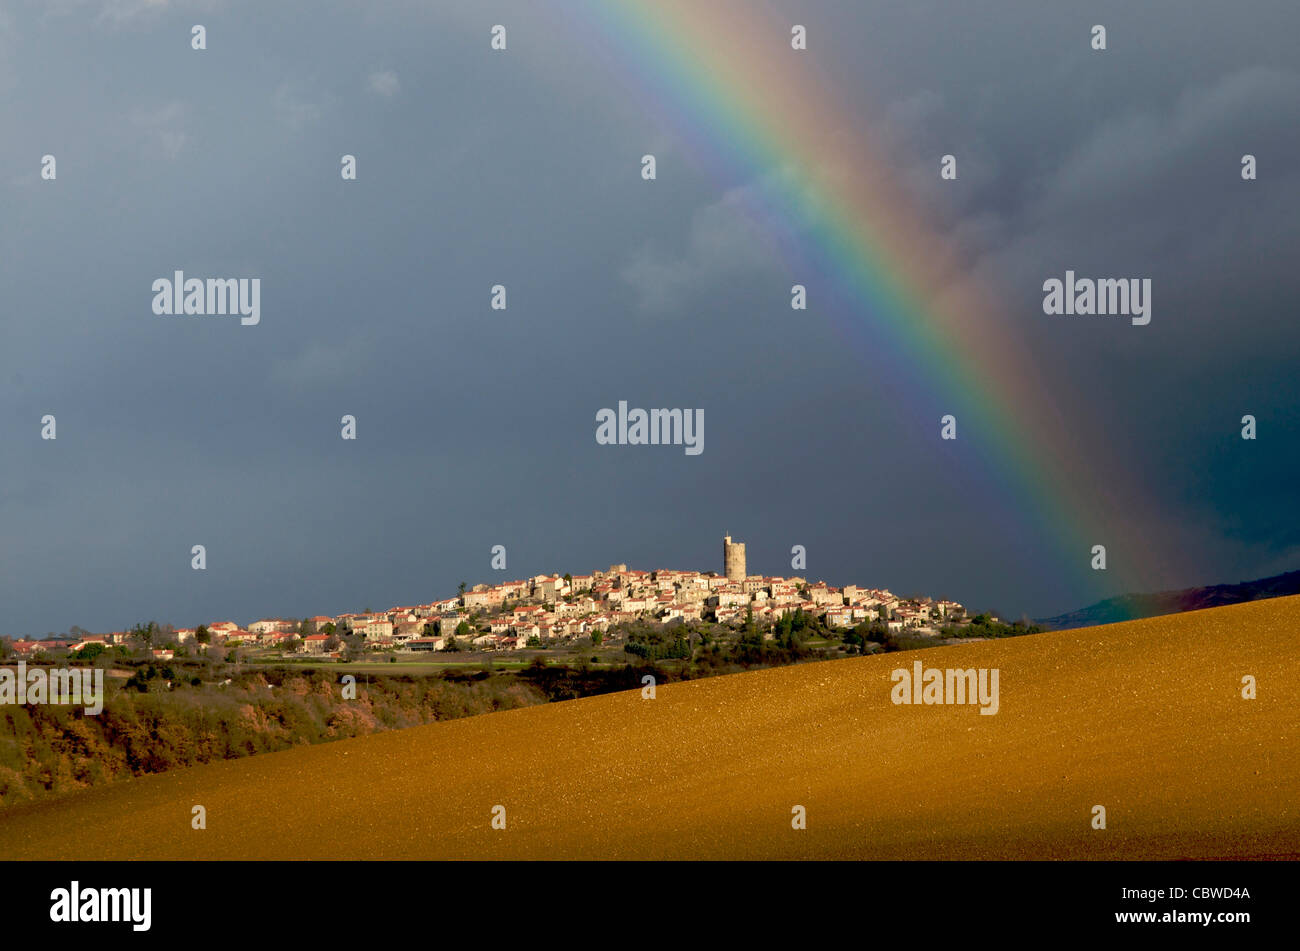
876, 631
202, 635
145, 633
461, 589
463, 629
89, 652
140, 679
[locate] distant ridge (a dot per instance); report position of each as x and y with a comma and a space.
1132, 607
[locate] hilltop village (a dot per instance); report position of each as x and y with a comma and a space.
548, 611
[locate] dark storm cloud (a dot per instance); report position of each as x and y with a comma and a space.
476, 427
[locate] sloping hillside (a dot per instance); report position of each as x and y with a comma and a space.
1133, 606
1145, 718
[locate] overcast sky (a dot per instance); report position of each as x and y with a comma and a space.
476, 427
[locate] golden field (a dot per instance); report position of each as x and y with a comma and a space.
1145, 718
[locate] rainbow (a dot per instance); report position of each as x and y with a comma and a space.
723, 75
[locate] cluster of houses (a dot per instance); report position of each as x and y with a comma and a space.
26, 648
550, 609
547, 609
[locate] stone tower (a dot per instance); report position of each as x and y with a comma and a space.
733, 559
